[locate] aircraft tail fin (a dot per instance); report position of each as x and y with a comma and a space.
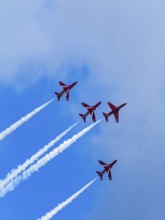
58, 95
83, 117
106, 116
100, 174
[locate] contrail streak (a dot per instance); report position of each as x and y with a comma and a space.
44, 160
11, 175
24, 119
62, 205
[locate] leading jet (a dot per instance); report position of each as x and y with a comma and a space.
90, 110
115, 111
107, 168
66, 89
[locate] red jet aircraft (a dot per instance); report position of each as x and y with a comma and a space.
115, 111
65, 90
90, 110
107, 168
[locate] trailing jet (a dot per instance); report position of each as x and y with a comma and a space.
115, 111
90, 110
66, 89
107, 168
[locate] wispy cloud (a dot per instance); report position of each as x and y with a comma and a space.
11, 175
24, 119
62, 205
44, 160
36, 33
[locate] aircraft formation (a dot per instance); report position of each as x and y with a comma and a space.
91, 111
37, 160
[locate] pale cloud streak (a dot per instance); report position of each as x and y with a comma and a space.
98, 34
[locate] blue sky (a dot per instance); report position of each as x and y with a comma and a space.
115, 50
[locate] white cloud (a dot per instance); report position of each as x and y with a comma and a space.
118, 45
23, 38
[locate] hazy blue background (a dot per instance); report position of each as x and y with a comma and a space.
115, 50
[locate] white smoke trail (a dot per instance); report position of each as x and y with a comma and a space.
24, 119
41, 162
12, 174
62, 205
